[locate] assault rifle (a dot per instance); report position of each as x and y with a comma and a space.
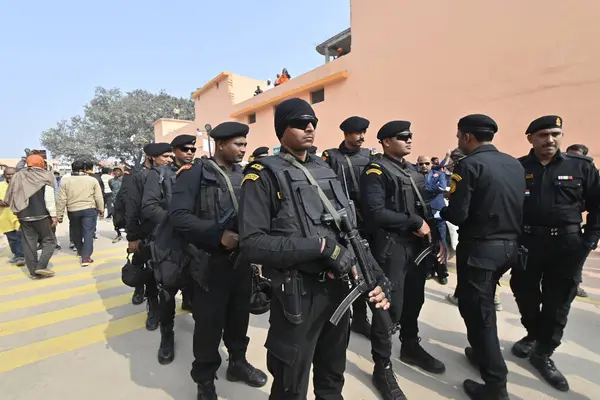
365, 266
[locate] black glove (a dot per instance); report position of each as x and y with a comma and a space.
338, 258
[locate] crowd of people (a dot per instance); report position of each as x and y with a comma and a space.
293, 234
283, 77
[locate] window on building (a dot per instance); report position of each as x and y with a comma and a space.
252, 118
317, 96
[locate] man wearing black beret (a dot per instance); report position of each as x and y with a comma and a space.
560, 186
204, 213
155, 201
348, 162
259, 152
307, 260
390, 190
486, 196
139, 229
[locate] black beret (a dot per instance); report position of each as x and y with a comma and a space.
546, 122
291, 109
260, 151
392, 128
228, 130
183, 140
156, 149
477, 123
313, 150
354, 124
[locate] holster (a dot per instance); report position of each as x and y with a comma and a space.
382, 243
288, 288
522, 255
199, 265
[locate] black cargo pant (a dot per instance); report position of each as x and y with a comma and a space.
222, 311
408, 294
293, 348
545, 290
142, 258
479, 267
167, 304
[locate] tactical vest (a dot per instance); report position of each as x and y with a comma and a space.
214, 199
168, 176
358, 160
403, 199
36, 207
301, 211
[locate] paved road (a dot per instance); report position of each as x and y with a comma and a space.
77, 336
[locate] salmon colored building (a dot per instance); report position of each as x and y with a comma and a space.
432, 63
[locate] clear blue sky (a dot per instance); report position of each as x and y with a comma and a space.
54, 53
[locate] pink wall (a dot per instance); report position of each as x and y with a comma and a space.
434, 62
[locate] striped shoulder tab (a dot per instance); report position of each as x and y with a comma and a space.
184, 168
373, 170
456, 177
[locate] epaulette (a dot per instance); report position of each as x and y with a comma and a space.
184, 168
579, 156
324, 155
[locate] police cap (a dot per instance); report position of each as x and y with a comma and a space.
182, 140
354, 124
392, 128
228, 130
260, 151
156, 149
477, 123
545, 122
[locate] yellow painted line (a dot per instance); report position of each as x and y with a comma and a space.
44, 298
45, 349
55, 260
24, 275
59, 280
65, 314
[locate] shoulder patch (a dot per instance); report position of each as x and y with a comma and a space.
258, 167
452, 186
251, 177
325, 155
529, 176
456, 177
373, 171
183, 168
376, 165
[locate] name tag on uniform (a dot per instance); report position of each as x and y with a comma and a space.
565, 178
527, 193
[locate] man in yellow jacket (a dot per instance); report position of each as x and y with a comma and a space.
9, 223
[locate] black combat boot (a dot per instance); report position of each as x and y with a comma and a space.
207, 391
543, 363
412, 353
241, 370
523, 347
152, 319
166, 351
138, 295
385, 381
477, 391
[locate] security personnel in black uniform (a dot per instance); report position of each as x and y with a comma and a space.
139, 229
348, 161
204, 192
258, 153
281, 228
486, 196
560, 186
155, 201
396, 228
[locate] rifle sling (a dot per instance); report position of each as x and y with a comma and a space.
227, 182
352, 174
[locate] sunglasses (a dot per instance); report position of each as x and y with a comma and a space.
424, 163
405, 137
302, 123
187, 149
